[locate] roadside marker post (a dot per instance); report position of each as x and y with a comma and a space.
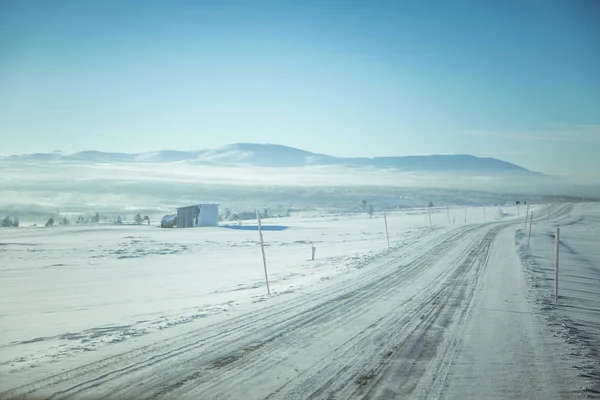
556, 242
530, 223
465, 215
386, 229
429, 212
526, 218
313, 249
484, 217
448, 214
262, 247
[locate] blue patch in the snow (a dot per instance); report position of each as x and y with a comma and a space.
255, 227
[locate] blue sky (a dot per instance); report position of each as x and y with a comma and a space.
516, 80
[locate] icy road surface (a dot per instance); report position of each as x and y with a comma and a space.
449, 313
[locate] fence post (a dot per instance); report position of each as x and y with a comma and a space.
530, 223
262, 247
386, 229
556, 242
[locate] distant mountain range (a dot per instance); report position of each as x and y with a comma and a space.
270, 155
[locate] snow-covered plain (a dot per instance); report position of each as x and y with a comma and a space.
576, 315
450, 311
74, 288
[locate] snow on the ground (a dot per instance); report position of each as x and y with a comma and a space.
73, 289
504, 350
576, 315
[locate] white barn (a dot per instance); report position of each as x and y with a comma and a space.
198, 215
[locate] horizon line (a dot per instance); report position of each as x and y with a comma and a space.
63, 152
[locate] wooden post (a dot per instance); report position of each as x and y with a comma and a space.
556, 242
530, 223
262, 247
526, 218
386, 229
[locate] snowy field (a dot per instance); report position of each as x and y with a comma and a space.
73, 288
576, 316
85, 302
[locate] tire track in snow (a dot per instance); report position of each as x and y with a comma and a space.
429, 351
216, 343
347, 367
406, 343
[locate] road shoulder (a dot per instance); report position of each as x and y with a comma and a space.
507, 350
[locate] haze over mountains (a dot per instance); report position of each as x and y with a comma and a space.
270, 155
247, 176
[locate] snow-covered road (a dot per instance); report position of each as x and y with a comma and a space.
447, 316
506, 349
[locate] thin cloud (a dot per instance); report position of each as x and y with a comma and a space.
593, 129
570, 133
522, 136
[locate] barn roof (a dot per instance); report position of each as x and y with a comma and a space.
197, 205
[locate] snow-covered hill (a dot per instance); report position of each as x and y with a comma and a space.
270, 155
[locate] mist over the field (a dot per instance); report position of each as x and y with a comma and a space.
36, 186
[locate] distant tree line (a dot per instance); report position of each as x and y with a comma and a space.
370, 209
367, 208
8, 222
95, 219
140, 220
82, 219
230, 215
